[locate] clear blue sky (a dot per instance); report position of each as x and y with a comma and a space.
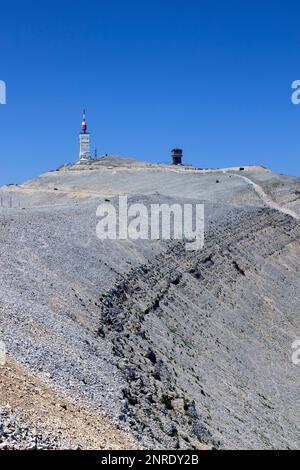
212, 77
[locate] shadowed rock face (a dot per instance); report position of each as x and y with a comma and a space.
219, 326
185, 349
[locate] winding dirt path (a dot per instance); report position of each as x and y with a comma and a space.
267, 199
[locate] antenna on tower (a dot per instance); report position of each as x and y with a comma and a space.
84, 125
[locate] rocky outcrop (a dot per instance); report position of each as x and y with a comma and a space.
196, 336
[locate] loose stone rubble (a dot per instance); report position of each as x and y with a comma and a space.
180, 349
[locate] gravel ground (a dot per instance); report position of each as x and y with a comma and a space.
17, 435
183, 351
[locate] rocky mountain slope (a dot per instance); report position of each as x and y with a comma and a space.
179, 349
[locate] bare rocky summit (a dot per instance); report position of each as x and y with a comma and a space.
173, 349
